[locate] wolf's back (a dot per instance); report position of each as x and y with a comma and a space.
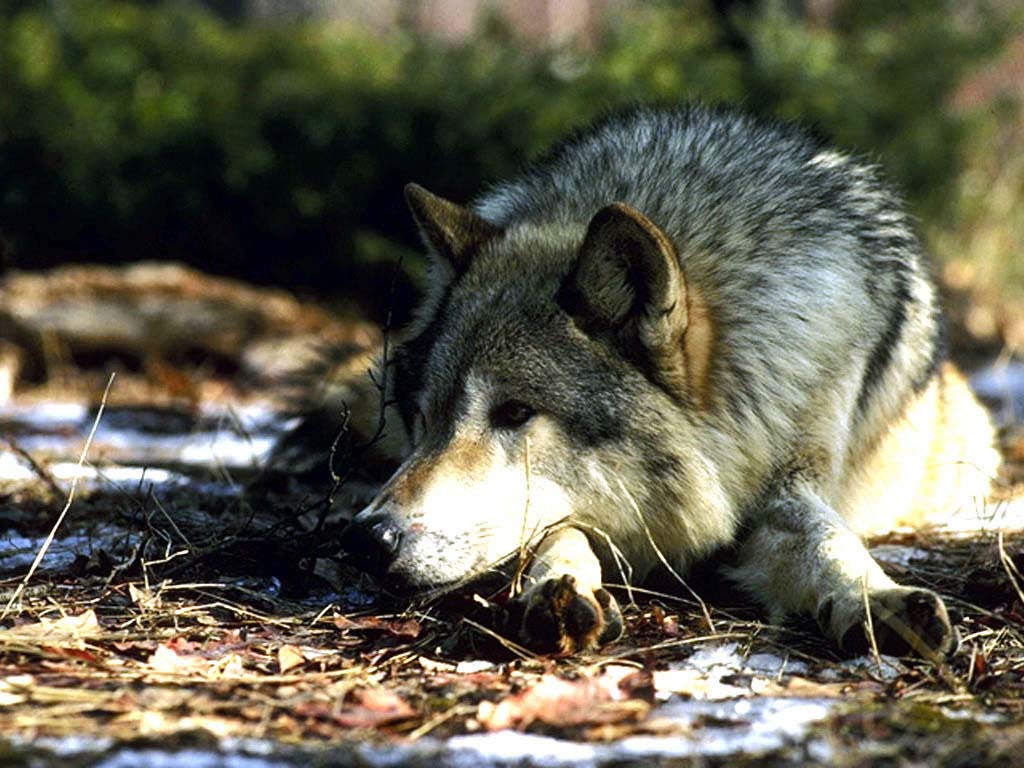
827, 328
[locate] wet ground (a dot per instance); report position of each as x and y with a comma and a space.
176, 618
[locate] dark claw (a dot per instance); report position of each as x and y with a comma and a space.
555, 617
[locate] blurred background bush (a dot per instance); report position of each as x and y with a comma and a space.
270, 140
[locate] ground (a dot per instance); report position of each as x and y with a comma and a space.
181, 615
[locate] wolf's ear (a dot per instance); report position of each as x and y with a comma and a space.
452, 232
627, 278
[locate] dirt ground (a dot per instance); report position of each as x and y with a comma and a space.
158, 609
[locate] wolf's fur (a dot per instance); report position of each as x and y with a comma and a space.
679, 331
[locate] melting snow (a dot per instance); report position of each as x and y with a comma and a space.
239, 439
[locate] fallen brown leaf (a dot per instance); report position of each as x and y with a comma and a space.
67, 629
397, 627
80, 654
289, 657
167, 661
558, 702
366, 708
374, 707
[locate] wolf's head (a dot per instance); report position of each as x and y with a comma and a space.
540, 384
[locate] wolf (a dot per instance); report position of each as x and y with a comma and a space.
680, 332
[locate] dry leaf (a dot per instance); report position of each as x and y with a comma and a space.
558, 702
289, 657
367, 708
166, 660
696, 684
229, 666
398, 627
80, 654
143, 597
373, 708
798, 687
57, 632
430, 665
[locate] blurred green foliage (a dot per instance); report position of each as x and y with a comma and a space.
278, 152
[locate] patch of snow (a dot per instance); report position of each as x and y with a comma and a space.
20, 551
66, 470
895, 554
973, 715
44, 414
711, 657
194, 758
13, 468
17, 551
700, 676
64, 746
514, 748
696, 684
127, 477
889, 669
226, 449
240, 438
747, 726
774, 665
725, 658
820, 751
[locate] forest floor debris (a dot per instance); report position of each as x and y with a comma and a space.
177, 611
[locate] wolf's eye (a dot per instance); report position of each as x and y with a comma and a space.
511, 414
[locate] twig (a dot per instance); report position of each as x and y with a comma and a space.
518, 650
42, 472
170, 520
382, 418
440, 718
869, 621
1010, 567
674, 644
67, 505
517, 580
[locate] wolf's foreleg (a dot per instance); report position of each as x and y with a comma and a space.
563, 606
800, 557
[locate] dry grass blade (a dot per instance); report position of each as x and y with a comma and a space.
869, 622
522, 558
67, 504
518, 650
664, 561
440, 719
1012, 573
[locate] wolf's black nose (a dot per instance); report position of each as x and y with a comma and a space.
372, 545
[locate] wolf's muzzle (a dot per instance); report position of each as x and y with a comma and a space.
372, 543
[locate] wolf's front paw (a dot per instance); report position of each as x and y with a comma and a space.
554, 616
906, 621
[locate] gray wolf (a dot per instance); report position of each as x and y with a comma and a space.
679, 332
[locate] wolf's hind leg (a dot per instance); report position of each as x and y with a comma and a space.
563, 606
800, 557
